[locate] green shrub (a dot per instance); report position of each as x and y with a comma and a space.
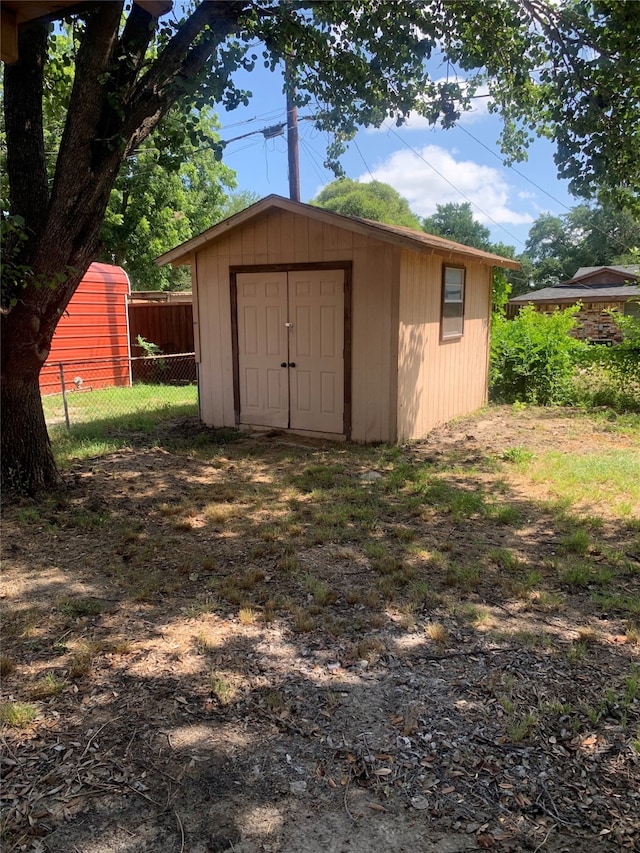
533, 357
610, 376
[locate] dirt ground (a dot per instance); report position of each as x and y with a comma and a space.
196, 693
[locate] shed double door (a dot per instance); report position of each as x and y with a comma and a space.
291, 349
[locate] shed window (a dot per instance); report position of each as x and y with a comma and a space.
452, 303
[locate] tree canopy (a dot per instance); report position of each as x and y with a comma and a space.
456, 222
374, 200
172, 187
569, 70
586, 236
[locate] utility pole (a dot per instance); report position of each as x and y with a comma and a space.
292, 139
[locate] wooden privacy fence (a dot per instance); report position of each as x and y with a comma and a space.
163, 319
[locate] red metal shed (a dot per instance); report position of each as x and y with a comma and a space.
92, 337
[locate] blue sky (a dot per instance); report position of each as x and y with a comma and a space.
427, 166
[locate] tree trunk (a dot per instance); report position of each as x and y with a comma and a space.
28, 465
115, 103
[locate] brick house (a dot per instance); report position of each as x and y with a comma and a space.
598, 290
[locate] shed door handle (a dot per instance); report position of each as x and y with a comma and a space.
283, 364
292, 364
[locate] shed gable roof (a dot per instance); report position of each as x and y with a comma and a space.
417, 241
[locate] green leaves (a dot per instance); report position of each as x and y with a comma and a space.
586, 236
14, 274
456, 222
533, 357
567, 70
374, 200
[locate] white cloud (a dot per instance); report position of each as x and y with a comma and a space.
432, 176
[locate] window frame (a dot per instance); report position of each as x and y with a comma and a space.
452, 336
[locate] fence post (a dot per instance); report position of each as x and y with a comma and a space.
64, 396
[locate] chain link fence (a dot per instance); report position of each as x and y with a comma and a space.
119, 390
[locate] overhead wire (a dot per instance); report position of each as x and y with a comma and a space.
252, 144
366, 165
262, 117
313, 158
310, 153
512, 167
607, 234
453, 186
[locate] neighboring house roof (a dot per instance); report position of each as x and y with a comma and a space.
418, 241
628, 272
616, 293
592, 284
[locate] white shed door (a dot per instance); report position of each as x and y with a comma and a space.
291, 349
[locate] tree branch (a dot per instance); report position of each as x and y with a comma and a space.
137, 34
85, 115
179, 62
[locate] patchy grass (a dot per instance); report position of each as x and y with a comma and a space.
260, 587
18, 715
47, 686
611, 477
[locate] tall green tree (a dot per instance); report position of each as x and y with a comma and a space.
373, 200
456, 222
172, 187
237, 202
568, 69
586, 236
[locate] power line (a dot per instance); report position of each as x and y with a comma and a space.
453, 186
596, 227
513, 168
313, 159
366, 165
252, 144
261, 117
268, 133
276, 130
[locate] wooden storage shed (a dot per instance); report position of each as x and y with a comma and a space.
312, 321
92, 337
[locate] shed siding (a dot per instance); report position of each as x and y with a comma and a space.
375, 294
216, 369
279, 237
438, 380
